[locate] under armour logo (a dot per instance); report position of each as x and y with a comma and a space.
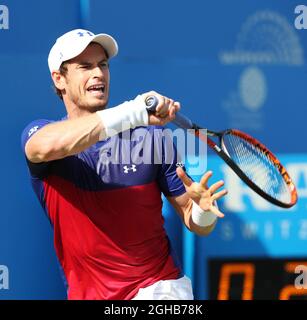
32, 130
81, 34
127, 169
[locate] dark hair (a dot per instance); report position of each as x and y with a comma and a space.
63, 71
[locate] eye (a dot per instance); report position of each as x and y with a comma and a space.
104, 64
84, 66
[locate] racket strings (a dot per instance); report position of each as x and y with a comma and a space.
257, 166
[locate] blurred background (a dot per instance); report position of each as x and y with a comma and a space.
232, 64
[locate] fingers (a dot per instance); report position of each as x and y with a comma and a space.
216, 186
212, 190
183, 177
163, 107
217, 212
219, 195
165, 110
205, 178
171, 115
174, 108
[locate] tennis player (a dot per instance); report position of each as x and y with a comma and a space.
107, 215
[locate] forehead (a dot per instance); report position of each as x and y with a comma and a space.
93, 51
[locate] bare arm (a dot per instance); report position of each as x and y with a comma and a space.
61, 139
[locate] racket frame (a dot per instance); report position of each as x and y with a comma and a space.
222, 152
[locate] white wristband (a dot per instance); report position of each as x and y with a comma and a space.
201, 217
129, 114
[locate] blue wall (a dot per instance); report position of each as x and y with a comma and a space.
231, 64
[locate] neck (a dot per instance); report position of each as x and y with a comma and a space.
74, 111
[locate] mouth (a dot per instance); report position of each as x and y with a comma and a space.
98, 90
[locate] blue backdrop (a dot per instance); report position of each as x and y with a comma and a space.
233, 63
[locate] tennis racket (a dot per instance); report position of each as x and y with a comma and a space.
252, 161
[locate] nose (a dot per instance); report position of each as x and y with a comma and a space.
97, 72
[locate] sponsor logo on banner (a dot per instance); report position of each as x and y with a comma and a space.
266, 38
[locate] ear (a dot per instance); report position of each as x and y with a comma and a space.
58, 80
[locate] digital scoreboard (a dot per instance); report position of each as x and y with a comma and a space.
257, 279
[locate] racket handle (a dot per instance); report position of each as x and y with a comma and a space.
180, 120
151, 103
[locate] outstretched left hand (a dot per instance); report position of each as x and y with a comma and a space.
200, 193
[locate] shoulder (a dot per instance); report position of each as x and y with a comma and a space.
34, 125
31, 128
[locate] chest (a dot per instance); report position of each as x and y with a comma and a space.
112, 164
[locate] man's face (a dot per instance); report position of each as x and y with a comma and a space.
86, 83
